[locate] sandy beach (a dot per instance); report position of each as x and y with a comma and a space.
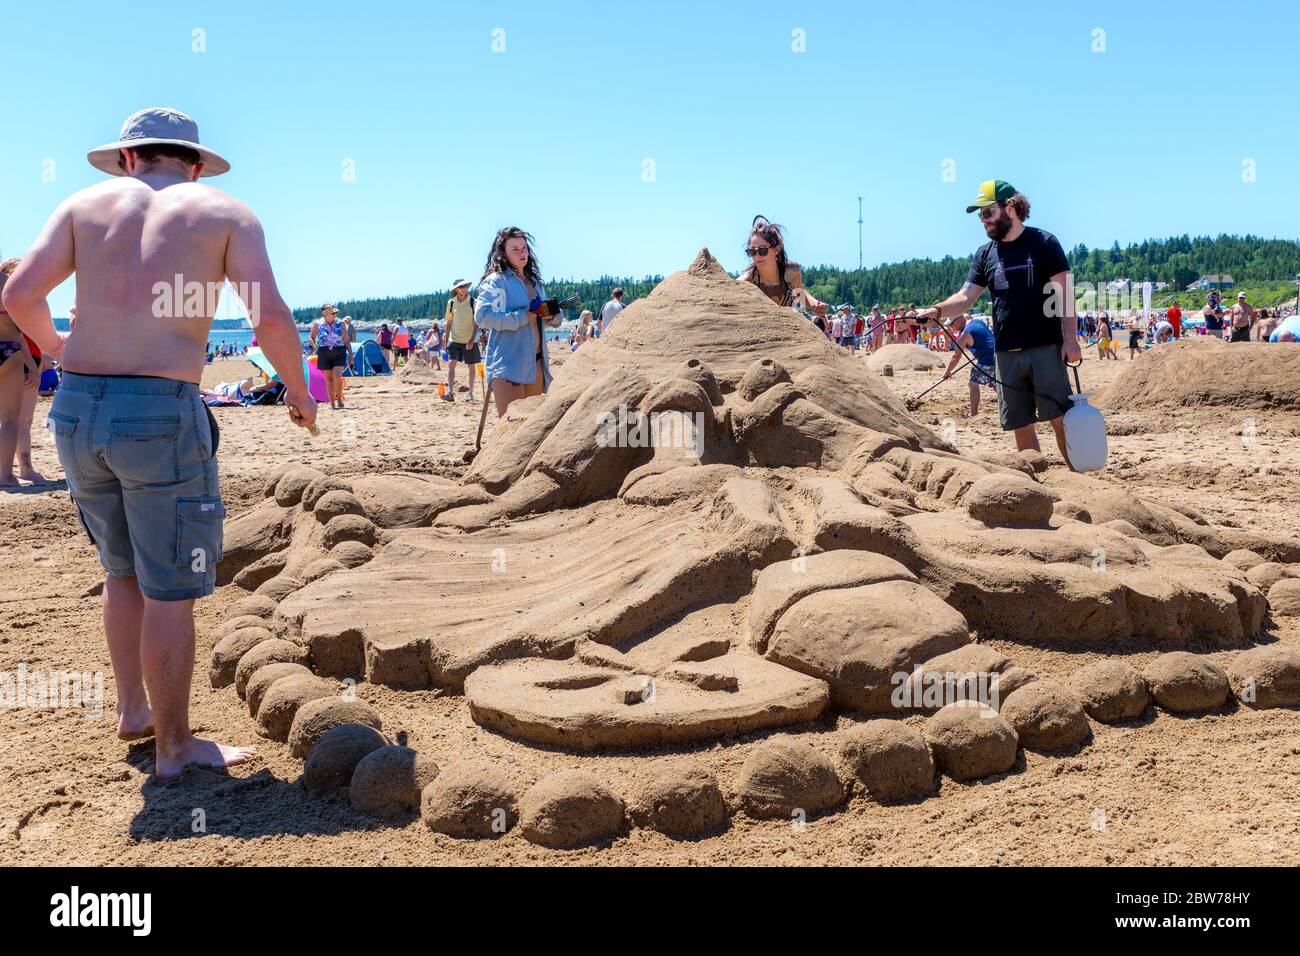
1215, 789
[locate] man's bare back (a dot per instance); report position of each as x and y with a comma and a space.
149, 257
151, 249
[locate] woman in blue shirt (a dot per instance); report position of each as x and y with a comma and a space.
509, 297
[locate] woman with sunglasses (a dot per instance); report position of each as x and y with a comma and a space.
510, 297
775, 275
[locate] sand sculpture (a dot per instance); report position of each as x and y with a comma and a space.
717, 522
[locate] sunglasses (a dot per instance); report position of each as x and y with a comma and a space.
752, 251
988, 212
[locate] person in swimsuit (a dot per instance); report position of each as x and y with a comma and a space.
333, 342
583, 332
1105, 344
385, 339
20, 374
776, 276
1243, 319
510, 298
1134, 338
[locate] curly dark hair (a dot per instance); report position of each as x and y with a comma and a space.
497, 262
1020, 204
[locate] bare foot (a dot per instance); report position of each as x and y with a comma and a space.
200, 753
29, 473
135, 724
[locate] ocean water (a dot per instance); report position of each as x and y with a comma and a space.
243, 338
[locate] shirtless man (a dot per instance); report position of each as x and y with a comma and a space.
1242, 318
134, 438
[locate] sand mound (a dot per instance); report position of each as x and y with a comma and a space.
418, 372
904, 356
1210, 373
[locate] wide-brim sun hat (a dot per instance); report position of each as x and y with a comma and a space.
157, 126
461, 282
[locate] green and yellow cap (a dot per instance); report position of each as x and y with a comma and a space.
992, 191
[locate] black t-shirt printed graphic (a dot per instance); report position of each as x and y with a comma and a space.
1017, 275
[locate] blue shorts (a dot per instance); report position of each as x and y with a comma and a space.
982, 375
140, 456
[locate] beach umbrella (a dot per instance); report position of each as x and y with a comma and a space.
313, 377
259, 359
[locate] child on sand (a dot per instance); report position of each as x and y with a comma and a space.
20, 373
1105, 342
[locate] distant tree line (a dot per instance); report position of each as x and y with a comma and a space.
1178, 261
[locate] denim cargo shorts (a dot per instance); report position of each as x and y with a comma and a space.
140, 456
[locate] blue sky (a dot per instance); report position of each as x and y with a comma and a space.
452, 140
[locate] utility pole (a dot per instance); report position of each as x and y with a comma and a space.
859, 233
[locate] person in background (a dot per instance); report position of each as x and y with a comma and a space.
385, 339
430, 349
776, 275
1174, 316
837, 328
583, 331
610, 310
1268, 320
976, 338
332, 340
1213, 313
461, 336
1134, 338
859, 327
1105, 340
1242, 317
20, 374
876, 327
510, 308
402, 342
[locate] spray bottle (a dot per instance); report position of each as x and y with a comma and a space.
1085, 432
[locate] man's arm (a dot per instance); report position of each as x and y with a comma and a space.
249, 267
956, 304
811, 301
49, 262
966, 341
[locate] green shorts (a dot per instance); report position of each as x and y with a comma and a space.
1032, 386
140, 456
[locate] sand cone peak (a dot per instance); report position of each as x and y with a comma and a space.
707, 267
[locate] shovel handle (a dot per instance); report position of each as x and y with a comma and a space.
312, 430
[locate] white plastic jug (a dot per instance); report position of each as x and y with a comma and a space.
1085, 434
